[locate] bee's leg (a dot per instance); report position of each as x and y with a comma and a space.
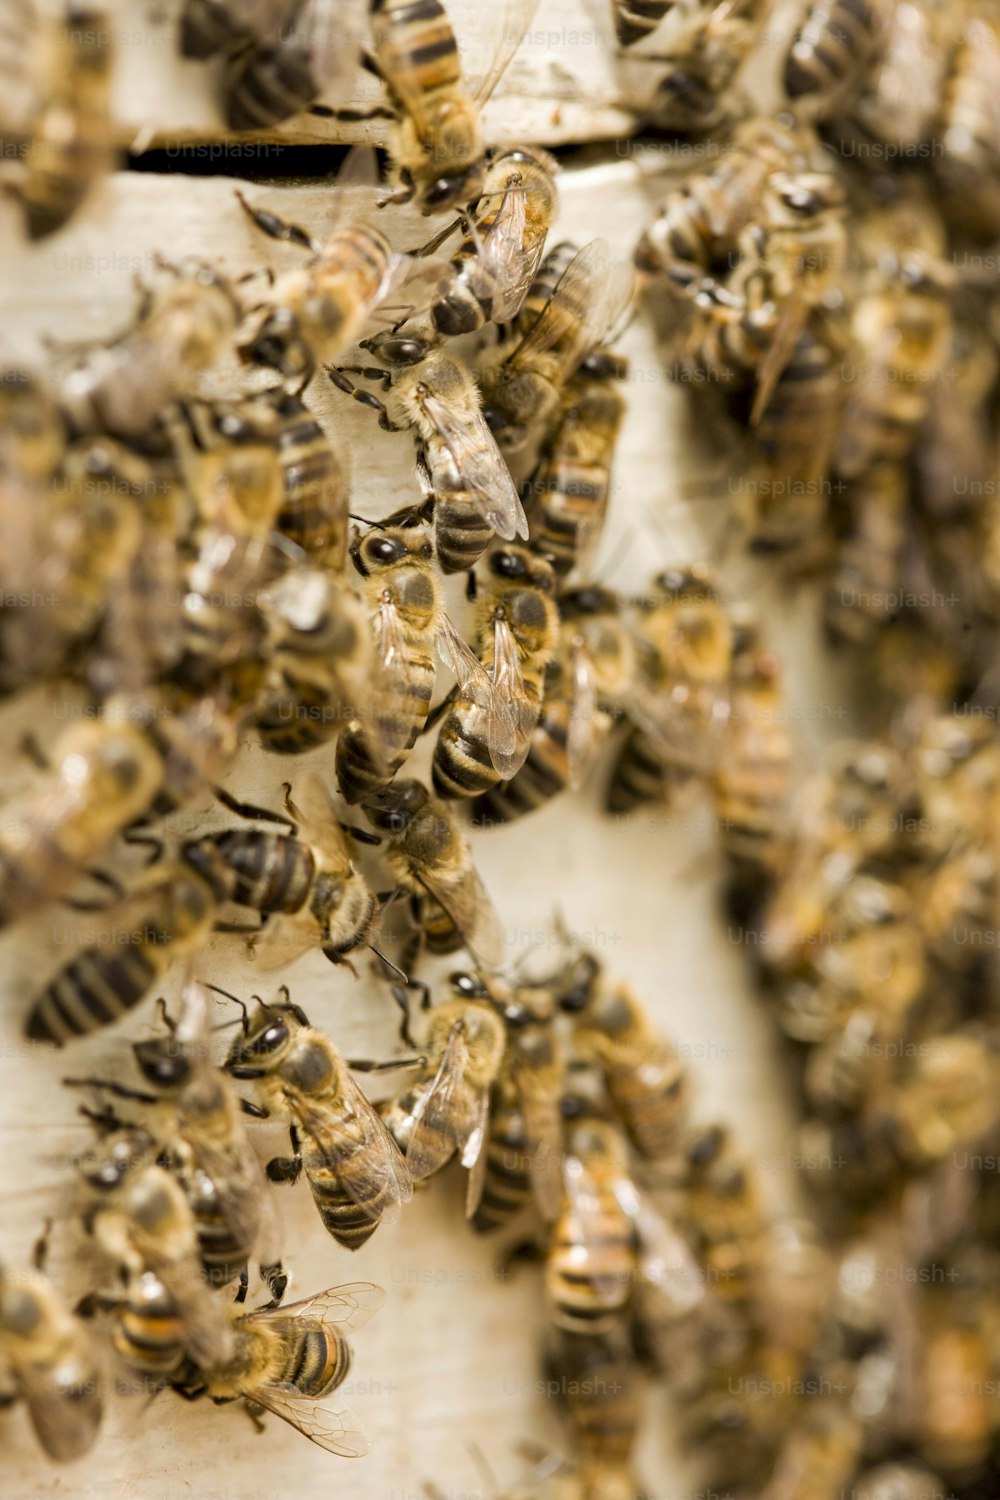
241, 927
255, 1111
274, 227
275, 1278
530, 1251
340, 959
364, 398
471, 585
252, 812
253, 1412
365, 1064
401, 994
438, 240
100, 877
96, 1302
40, 1250
363, 835
438, 712
330, 112
244, 1286
107, 1085
287, 1168
403, 194
137, 837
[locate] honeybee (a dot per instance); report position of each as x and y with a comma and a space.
819, 1457
139, 1215
313, 312
720, 1213
679, 705
861, 596
596, 1377
319, 661
284, 54
480, 744
901, 92
496, 263
696, 92
965, 163
70, 144
523, 385
636, 19
446, 1110
403, 593
571, 487
438, 149
831, 52
458, 461
286, 1360
957, 1422
196, 1115
104, 776
314, 471
350, 1160
47, 1356
956, 437
170, 919
183, 325
586, 684
591, 1262
304, 883
431, 860
646, 1080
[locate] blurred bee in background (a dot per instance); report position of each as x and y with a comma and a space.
522, 381
446, 1110
586, 686
967, 161
303, 882
287, 1360
719, 1211
679, 705
47, 1359
404, 596
900, 91
437, 148
194, 1113
955, 452
819, 1457
458, 462
898, 1481
704, 63
590, 1264
832, 51
429, 856
354, 1171
313, 513
70, 144
636, 19
517, 631
169, 919
282, 54
597, 1378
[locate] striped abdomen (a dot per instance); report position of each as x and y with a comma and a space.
149, 1330
569, 493
397, 719
864, 592
313, 513
299, 723
539, 294
268, 84
329, 1166
208, 27
316, 1362
752, 789
462, 766
599, 1392
422, 43
651, 1099
223, 1253
461, 533
272, 872
641, 774
830, 52
588, 1282
439, 930
507, 1184
796, 437
543, 776
635, 19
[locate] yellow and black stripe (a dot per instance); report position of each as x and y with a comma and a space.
422, 40
831, 49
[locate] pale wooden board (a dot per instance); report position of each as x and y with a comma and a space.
452, 1358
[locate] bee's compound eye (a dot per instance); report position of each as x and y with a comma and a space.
507, 564
385, 550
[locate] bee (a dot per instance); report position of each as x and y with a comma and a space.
140, 1217
831, 52
704, 63
282, 56
195, 1113
314, 311
497, 260
646, 1080
304, 882
104, 775
438, 149
859, 599
522, 382
446, 1109
286, 1360
591, 1260
721, 1215
751, 785
518, 631
170, 919
47, 1355
70, 143
586, 684
957, 1413
403, 593
313, 513
901, 92
458, 462
350, 1160
958, 422
571, 487
965, 163
818, 1459
184, 323
636, 19
684, 647
596, 1376
319, 661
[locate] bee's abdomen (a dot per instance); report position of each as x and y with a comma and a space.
639, 774
507, 1186
318, 1361
543, 776
462, 766
424, 32
272, 872
349, 1221
149, 1333
461, 535
94, 990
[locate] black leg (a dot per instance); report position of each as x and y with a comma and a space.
240, 927
364, 398
328, 112
109, 882
40, 1250
276, 228
275, 1278
255, 1111
120, 1090
251, 812
138, 838
287, 1168
438, 712
471, 586
244, 1286
363, 835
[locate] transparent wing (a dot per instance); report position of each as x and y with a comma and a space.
474, 1156
468, 904
581, 733
590, 299
517, 17
588, 1228
338, 1431
481, 467
342, 1308
353, 196
666, 1262
508, 683
442, 1118
786, 333
314, 811
475, 682
392, 675
513, 263
386, 1172
284, 939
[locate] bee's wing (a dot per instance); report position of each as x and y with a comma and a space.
503, 248
391, 685
588, 1226
581, 732
284, 939
786, 333
689, 721
589, 300
353, 196
516, 16
338, 1431
469, 906
475, 681
665, 1258
508, 683
343, 1308
474, 1155
387, 1177
315, 813
481, 467
441, 1125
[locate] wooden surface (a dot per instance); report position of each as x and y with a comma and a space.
452, 1357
